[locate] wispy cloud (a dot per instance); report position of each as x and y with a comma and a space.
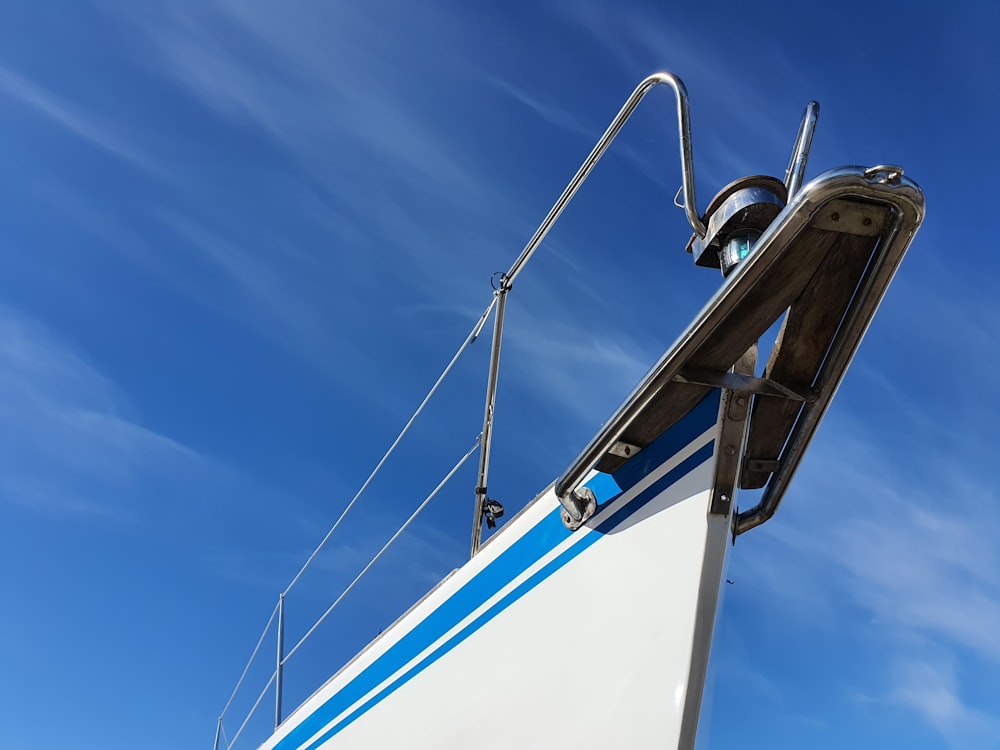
931, 689
248, 64
926, 571
640, 42
70, 444
74, 119
923, 563
920, 559
648, 163
553, 357
550, 113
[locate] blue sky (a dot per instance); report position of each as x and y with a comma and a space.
241, 239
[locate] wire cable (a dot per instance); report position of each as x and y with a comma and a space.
249, 662
256, 703
473, 335
388, 544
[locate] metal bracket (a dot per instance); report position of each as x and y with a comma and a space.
851, 217
884, 174
492, 510
749, 383
762, 465
733, 412
623, 449
578, 506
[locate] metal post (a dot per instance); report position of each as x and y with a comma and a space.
218, 733
800, 152
281, 658
491, 394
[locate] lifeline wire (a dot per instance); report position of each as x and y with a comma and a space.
477, 329
249, 662
256, 703
473, 335
388, 544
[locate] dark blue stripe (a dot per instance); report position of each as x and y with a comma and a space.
513, 561
705, 414
685, 467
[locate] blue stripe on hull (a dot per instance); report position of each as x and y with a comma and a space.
512, 562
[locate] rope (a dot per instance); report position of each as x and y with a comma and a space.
473, 335
249, 662
256, 703
395, 536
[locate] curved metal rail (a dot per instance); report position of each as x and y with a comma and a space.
875, 183
687, 165
690, 209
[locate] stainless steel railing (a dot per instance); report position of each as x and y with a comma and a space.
507, 280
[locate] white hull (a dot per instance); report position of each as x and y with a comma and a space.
552, 638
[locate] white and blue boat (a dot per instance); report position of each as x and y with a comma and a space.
594, 606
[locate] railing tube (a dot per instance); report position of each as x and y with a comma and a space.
491, 396
800, 152
279, 672
687, 165
507, 280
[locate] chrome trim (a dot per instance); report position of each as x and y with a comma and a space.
904, 196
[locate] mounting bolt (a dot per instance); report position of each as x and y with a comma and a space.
835, 216
867, 221
730, 450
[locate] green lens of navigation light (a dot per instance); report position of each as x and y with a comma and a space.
736, 248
